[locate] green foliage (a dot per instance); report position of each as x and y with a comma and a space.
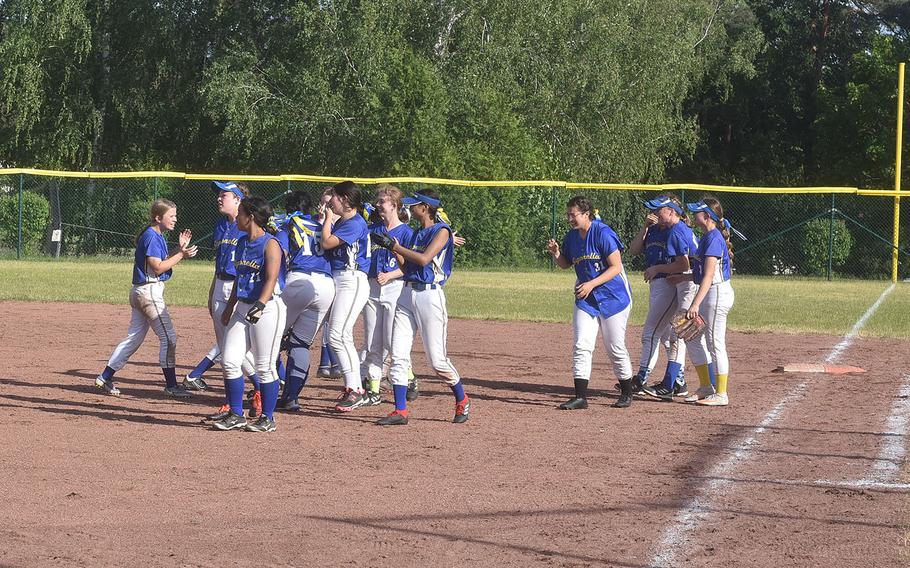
823, 238
35, 216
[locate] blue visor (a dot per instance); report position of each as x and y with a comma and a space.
659, 202
227, 186
420, 198
702, 206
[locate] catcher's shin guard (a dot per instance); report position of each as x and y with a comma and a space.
625, 395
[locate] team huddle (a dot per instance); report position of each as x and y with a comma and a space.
280, 279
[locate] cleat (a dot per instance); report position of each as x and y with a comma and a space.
264, 424
638, 384
700, 393
324, 372
177, 392
413, 390
221, 414
230, 422
194, 384
397, 418
659, 392
576, 403
288, 405
461, 411
350, 400
255, 405
680, 389
625, 396
716, 399
335, 372
250, 394
372, 399
107, 386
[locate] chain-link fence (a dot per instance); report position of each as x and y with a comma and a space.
836, 235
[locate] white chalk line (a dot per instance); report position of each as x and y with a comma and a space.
697, 509
890, 458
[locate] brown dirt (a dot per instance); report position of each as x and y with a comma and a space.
93, 480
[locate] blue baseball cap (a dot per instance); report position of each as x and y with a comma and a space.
230, 186
703, 207
659, 202
421, 198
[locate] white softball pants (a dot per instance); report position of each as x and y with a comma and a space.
262, 339
422, 311
220, 296
662, 304
308, 298
378, 319
613, 328
713, 345
351, 292
148, 310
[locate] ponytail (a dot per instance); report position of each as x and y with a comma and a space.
724, 227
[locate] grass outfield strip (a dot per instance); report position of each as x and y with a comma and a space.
785, 305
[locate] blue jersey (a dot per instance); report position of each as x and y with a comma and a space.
150, 244
225, 241
304, 245
663, 246
440, 268
354, 251
712, 244
383, 260
589, 255
250, 265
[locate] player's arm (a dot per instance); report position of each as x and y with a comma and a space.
385, 277
707, 278
679, 264
614, 267
560, 260
181, 251
211, 294
637, 246
426, 257
229, 308
272, 269
329, 241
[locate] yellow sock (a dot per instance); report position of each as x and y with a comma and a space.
374, 385
722, 383
704, 378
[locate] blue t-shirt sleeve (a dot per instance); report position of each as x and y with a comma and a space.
608, 242
152, 245
678, 243
350, 231
715, 244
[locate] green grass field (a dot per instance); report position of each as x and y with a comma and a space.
785, 305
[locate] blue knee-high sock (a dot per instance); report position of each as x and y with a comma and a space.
712, 372
233, 390
254, 378
325, 356
280, 368
201, 368
458, 391
170, 376
401, 396
269, 398
672, 372
107, 374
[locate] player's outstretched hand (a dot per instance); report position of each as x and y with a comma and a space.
553, 247
458, 240
185, 237
190, 252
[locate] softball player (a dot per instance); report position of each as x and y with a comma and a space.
308, 295
667, 243
603, 298
225, 236
422, 304
386, 287
254, 315
152, 267
346, 242
711, 271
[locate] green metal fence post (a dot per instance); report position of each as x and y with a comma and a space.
19, 235
552, 220
831, 237
156, 189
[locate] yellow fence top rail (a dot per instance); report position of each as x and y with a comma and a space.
458, 182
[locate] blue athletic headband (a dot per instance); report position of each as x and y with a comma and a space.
659, 202
227, 186
421, 198
703, 207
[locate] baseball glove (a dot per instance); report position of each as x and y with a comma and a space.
382, 240
685, 328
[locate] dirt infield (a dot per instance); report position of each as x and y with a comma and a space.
92, 480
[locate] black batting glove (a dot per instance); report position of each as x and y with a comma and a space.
255, 312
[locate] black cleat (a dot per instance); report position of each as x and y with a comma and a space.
397, 418
576, 403
625, 396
